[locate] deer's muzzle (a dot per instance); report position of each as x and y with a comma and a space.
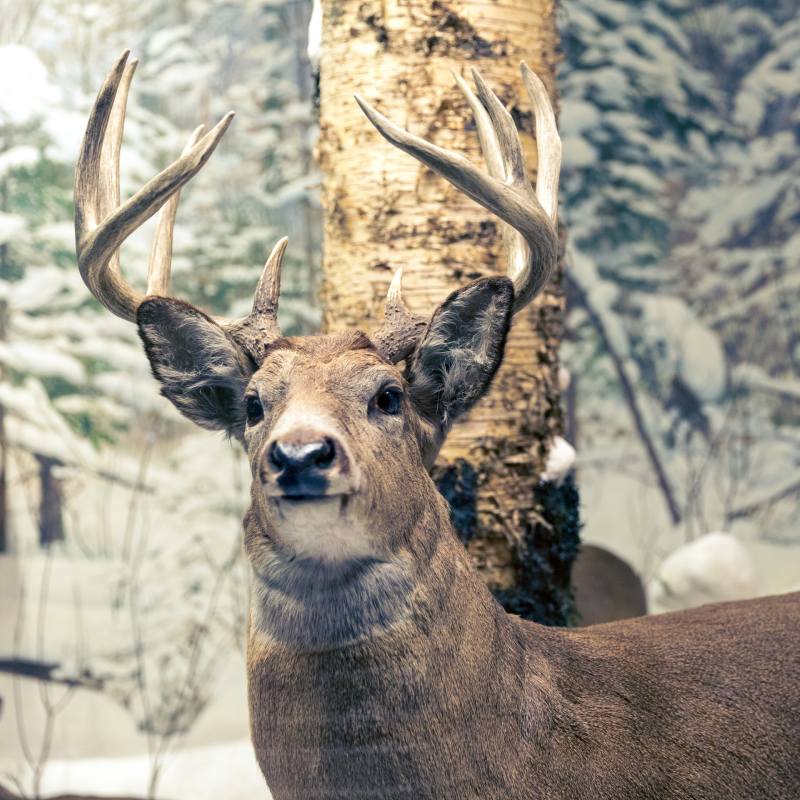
305, 464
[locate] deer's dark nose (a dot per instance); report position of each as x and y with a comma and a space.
301, 464
302, 456
305, 463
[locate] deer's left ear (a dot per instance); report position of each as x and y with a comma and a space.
461, 349
202, 371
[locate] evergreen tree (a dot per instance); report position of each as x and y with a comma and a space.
680, 124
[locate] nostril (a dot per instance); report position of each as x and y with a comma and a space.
277, 456
326, 453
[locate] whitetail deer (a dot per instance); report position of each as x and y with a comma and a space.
379, 665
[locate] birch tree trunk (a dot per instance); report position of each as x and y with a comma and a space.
384, 210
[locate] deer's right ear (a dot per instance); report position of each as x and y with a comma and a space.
202, 371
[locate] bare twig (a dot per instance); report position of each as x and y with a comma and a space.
48, 671
748, 509
630, 397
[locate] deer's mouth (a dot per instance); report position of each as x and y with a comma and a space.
320, 503
293, 489
302, 499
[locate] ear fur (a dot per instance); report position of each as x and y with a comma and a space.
202, 371
461, 349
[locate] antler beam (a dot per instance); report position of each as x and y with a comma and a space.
102, 224
530, 215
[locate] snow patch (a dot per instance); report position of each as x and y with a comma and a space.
712, 569
226, 771
25, 90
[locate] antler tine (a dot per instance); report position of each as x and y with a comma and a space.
100, 231
509, 197
502, 152
506, 135
548, 142
260, 326
97, 173
265, 300
160, 267
108, 185
401, 328
487, 136
97, 190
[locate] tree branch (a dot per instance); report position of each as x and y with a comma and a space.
748, 509
47, 671
629, 394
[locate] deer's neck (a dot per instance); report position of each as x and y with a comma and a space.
425, 649
310, 607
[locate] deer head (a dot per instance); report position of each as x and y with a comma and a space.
332, 425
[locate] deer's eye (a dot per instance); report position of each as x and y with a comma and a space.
389, 400
253, 409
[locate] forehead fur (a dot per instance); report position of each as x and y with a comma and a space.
323, 348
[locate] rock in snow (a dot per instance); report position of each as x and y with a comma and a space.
711, 569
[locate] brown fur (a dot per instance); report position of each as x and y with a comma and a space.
393, 673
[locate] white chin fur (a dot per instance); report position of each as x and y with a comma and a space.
323, 528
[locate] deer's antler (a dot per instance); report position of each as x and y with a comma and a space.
102, 224
530, 215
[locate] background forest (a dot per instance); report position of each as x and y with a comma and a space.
123, 589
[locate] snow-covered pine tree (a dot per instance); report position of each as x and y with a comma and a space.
55, 409
669, 159
737, 247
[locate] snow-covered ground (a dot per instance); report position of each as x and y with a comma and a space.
97, 749
180, 547
226, 771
